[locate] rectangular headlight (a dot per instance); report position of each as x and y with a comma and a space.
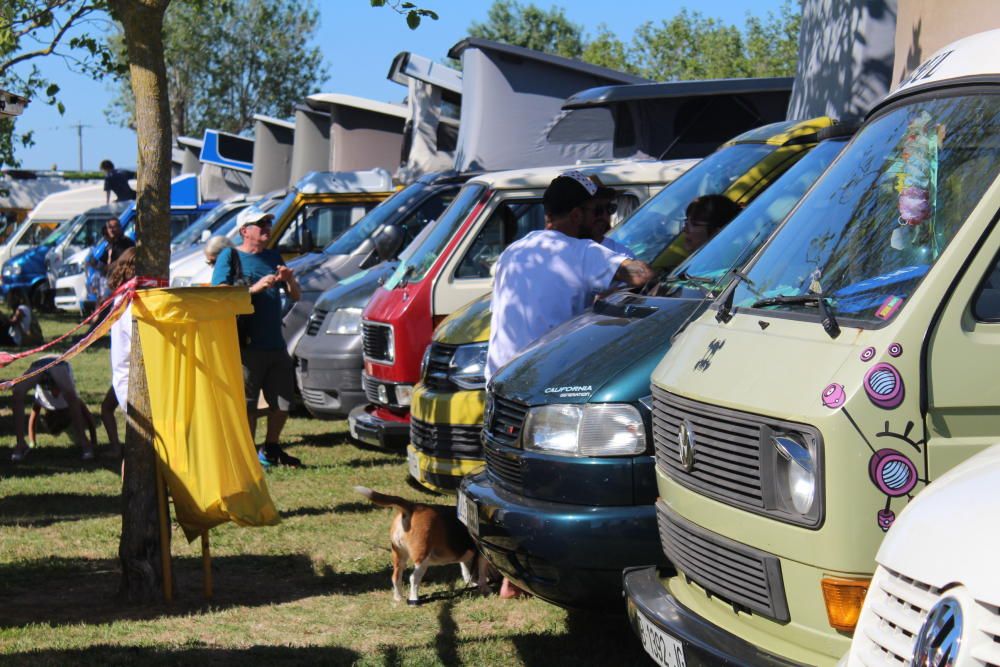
601, 429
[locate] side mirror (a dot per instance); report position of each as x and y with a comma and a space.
387, 241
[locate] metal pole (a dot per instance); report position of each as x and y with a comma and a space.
79, 144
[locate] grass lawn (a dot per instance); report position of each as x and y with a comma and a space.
313, 590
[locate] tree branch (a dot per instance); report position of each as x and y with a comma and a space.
79, 13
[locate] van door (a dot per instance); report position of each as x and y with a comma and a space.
963, 362
469, 271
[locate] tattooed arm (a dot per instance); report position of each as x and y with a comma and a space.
634, 272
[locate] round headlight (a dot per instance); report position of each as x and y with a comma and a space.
799, 475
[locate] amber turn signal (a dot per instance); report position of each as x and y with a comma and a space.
844, 598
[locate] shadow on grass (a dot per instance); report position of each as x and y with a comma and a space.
38, 510
340, 508
320, 439
617, 644
61, 591
217, 657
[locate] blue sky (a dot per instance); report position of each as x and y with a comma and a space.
358, 44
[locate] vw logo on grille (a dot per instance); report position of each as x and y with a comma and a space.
685, 445
488, 412
940, 636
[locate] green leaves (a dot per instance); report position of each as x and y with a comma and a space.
412, 12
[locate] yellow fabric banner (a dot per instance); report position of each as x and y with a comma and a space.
195, 378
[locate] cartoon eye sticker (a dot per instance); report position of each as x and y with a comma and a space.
883, 383
833, 396
884, 386
894, 475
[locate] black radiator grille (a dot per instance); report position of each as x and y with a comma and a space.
377, 341
450, 439
726, 569
438, 362
315, 321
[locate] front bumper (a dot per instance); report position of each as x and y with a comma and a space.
570, 555
439, 473
701, 642
330, 383
378, 426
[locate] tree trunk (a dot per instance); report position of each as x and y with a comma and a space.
139, 549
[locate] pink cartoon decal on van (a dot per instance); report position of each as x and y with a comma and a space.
833, 396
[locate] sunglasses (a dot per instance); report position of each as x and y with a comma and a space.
692, 224
601, 209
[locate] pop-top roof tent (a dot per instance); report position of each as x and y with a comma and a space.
364, 134
64, 205
190, 149
311, 143
924, 27
846, 51
434, 102
11, 104
371, 180
680, 119
510, 96
272, 154
24, 191
227, 162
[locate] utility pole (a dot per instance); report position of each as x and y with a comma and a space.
79, 143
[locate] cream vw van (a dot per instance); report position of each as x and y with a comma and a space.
854, 360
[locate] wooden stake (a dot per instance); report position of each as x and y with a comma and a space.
206, 564
161, 497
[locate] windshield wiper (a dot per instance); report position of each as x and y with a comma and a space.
726, 307
826, 316
405, 278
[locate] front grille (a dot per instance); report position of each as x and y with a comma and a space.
729, 570
987, 649
438, 362
504, 468
377, 341
315, 321
506, 421
727, 450
370, 385
898, 606
451, 439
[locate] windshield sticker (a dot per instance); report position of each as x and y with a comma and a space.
571, 391
889, 307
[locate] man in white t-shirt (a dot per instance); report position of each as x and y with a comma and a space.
552, 275
54, 392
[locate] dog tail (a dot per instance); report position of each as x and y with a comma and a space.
384, 500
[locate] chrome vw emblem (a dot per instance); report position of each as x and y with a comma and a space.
685, 445
488, 412
940, 636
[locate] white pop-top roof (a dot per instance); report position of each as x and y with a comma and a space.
64, 205
320, 100
612, 173
976, 55
274, 121
948, 533
372, 180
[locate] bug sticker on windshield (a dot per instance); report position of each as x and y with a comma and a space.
889, 307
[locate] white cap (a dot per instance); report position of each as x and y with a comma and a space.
251, 216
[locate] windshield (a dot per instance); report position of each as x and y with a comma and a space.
420, 259
655, 226
873, 227
209, 221
349, 241
741, 238
60, 232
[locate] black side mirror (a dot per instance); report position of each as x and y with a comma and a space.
387, 241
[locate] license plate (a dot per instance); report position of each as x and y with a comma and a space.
413, 464
468, 513
661, 647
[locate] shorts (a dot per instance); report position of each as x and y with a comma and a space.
272, 372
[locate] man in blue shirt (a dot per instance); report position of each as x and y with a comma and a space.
266, 364
115, 181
